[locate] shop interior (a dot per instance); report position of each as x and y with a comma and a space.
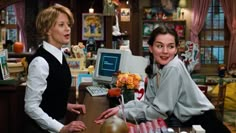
206, 31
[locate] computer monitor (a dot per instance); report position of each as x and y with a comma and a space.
108, 62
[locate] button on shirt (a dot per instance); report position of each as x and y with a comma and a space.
35, 86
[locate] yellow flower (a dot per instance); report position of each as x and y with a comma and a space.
131, 81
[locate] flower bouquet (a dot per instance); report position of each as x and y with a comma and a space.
126, 84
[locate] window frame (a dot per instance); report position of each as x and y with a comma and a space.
11, 26
211, 69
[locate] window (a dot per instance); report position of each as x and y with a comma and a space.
213, 36
10, 24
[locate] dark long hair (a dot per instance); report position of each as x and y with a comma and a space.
162, 29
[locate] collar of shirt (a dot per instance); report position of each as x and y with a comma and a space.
57, 53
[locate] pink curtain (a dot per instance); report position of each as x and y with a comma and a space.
199, 9
20, 16
229, 7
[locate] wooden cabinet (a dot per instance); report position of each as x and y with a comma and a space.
11, 108
12, 113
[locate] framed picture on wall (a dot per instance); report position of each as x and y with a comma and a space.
93, 26
124, 14
147, 29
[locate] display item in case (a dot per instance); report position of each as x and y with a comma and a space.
4, 72
91, 45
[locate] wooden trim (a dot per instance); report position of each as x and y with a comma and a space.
108, 31
10, 26
5, 3
213, 43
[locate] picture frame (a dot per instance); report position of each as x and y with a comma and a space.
93, 26
147, 29
180, 29
75, 63
125, 14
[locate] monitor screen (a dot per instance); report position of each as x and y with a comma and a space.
108, 62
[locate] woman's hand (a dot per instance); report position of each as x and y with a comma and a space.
106, 114
76, 107
74, 126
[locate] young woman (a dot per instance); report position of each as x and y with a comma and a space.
49, 77
170, 89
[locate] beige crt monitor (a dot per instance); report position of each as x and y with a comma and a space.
110, 61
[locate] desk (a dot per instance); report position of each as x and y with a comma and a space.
94, 107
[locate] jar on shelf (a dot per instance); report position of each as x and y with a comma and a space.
18, 47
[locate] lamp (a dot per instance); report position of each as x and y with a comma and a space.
91, 10
127, 2
182, 4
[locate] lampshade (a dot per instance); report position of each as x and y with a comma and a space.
182, 3
91, 10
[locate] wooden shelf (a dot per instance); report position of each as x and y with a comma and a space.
150, 25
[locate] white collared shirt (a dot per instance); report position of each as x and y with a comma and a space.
35, 86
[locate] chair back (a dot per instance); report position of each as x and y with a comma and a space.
218, 100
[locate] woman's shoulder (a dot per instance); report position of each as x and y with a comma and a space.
176, 62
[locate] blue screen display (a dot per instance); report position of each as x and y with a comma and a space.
109, 64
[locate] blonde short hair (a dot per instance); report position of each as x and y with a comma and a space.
47, 18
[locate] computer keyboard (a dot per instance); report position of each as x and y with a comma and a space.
97, 90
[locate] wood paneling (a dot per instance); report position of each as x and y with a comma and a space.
5, 3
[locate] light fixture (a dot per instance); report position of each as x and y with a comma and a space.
182, 4
127, 2
91, 10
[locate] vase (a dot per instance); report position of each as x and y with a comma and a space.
128, 94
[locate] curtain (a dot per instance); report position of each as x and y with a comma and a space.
199, 8
229, 7
20, 17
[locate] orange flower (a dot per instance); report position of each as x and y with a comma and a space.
131, 81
